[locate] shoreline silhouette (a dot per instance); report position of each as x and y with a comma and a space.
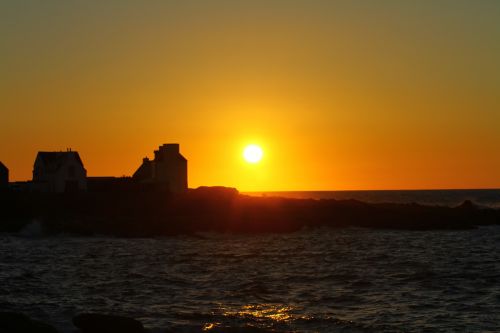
220, 209
156, 201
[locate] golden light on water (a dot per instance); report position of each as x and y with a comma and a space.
264, 311
210, 326
258, 313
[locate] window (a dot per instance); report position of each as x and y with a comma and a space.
71, 171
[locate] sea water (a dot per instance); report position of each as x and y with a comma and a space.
322, 280
484, 197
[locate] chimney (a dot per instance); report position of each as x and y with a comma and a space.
171, 147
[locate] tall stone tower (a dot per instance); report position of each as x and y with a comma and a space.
169, 167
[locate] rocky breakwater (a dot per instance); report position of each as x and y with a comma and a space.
11, 322
149, 214
101, 323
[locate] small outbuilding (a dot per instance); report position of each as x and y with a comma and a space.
168, 169
4, 176
59, 172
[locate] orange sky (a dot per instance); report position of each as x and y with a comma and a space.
340, 95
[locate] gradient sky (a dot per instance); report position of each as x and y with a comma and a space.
340, 94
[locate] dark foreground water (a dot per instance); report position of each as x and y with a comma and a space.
351, 280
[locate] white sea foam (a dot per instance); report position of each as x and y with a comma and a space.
33, 229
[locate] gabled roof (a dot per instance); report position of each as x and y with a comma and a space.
182, 158
54, 160
3, 167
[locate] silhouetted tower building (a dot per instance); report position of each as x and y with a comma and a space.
4, 176
59, 172
169, 167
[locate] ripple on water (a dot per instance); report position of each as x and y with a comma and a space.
351, 280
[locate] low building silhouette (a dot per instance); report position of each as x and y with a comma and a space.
169, 169
4, 177
59, 172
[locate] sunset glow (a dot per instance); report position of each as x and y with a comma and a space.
345, 94
250, 165
253, 154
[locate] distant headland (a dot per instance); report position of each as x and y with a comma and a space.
156, 201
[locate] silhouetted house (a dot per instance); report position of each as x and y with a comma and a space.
4, 176
59, 172
113, 184
169, 169
21, 186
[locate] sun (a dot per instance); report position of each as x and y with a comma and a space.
253, 154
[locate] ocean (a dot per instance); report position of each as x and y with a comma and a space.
321, 280
451, 198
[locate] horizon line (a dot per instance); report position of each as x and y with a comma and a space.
382, 190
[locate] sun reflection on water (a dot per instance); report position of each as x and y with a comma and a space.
258, 313
263, 311
210, 326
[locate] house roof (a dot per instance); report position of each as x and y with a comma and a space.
54, 160
169, 149
2, 166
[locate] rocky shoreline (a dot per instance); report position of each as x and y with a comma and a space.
11, 322
217, 209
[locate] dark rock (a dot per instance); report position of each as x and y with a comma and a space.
97, 323
149, 214
246, 329
468, 205
11, 322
